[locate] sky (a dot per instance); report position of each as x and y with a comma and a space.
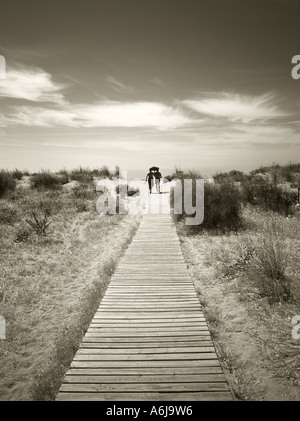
196, 84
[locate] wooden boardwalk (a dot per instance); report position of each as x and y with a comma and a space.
148, 339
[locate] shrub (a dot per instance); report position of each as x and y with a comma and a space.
65, 173
8, 214
17, 174
231, 176
39, 224
269, 265
50, 201
268, 196
103, 172
131, 191
83, 175
222, 206
181, 175
45, 180
83, 191
7, 182
63, 178
22, 236
296, 180
81, 205
117, 171
289, 171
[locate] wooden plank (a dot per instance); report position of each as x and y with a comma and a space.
176, 378
160, 294
148, 322
104, 346
153, 308
155, 300
157, 292
131, 364
152, 335
146, 283
146, 371
148, 316
147, 331
146, 325
152, 291
154, 322
147, 280
189, 396
149, 341
157, 288
179, 298
162, 275
137, 350
152, 303
146, 357
144, 387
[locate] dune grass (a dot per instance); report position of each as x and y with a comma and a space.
52, 283
249, 288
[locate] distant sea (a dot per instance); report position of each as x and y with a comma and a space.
141, 174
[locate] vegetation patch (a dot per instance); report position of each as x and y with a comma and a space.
56, 262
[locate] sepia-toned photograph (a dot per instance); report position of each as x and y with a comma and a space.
150, 203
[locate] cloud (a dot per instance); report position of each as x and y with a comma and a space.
136, 114
37, 117
103, 114
225, 113
31, 84
156, 81
118, 86
236, 107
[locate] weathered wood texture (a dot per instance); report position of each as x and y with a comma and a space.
149, 339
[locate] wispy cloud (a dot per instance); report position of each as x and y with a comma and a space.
220, 116
236, 107
37, 117
32, 85
118, 85
157, 81
104, 114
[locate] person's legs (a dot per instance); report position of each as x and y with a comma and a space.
157, 186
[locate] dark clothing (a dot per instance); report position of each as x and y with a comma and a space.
154, 175
150, 179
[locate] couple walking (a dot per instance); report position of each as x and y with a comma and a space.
154, 176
